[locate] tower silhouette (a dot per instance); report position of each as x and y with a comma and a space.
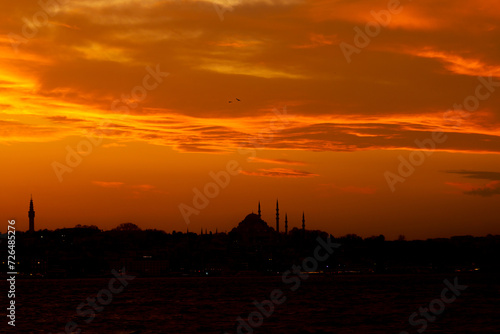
277, 217
31, 216
303, 222
259, 210
286, 224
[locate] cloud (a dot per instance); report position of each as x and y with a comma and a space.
95, 52
12, 130
279, 172
113, 145
63, 119
136, 190
461, 186
143, 187
487, 190
462, 65
238, 68
490, 189
107, 184
494, 176
318, 40
275, 161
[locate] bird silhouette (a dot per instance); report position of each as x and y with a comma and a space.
238, 99
229, 101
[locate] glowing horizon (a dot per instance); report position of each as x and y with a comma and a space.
117, 111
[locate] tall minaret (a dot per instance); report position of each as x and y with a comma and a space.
303, 223
259, 209
286, 223
277, 217
31, 216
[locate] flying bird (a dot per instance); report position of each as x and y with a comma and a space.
238, 99
229, 101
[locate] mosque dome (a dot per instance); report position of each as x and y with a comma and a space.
253, 224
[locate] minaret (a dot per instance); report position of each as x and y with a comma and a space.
286, 223
31, 216
259, 209
277, 217
303, 223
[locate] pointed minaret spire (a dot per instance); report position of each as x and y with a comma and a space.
31, 216
303, 222
277, 217
286, 223
259, 209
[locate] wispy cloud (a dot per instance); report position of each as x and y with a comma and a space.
460, 64
136, 190
487, 190
108, 184
490, 189
318, 40
471, 174
279, 172
50, 95
276, 161
113, 145
143, 187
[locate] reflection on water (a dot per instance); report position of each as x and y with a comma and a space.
339, 304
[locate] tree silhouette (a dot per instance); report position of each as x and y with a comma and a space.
127, 227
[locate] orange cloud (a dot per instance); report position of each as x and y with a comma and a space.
317, 40
488, 190
279, 172
107, 184
275, 161
143, 187
461, 186
461, 65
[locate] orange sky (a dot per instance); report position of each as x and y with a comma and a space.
139, 91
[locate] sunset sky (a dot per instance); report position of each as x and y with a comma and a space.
114, 111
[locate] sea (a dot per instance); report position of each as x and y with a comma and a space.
307, 304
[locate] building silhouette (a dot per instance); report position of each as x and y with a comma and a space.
31, 216
286, 224
252, 247
277, 217
277, 229
303, 223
